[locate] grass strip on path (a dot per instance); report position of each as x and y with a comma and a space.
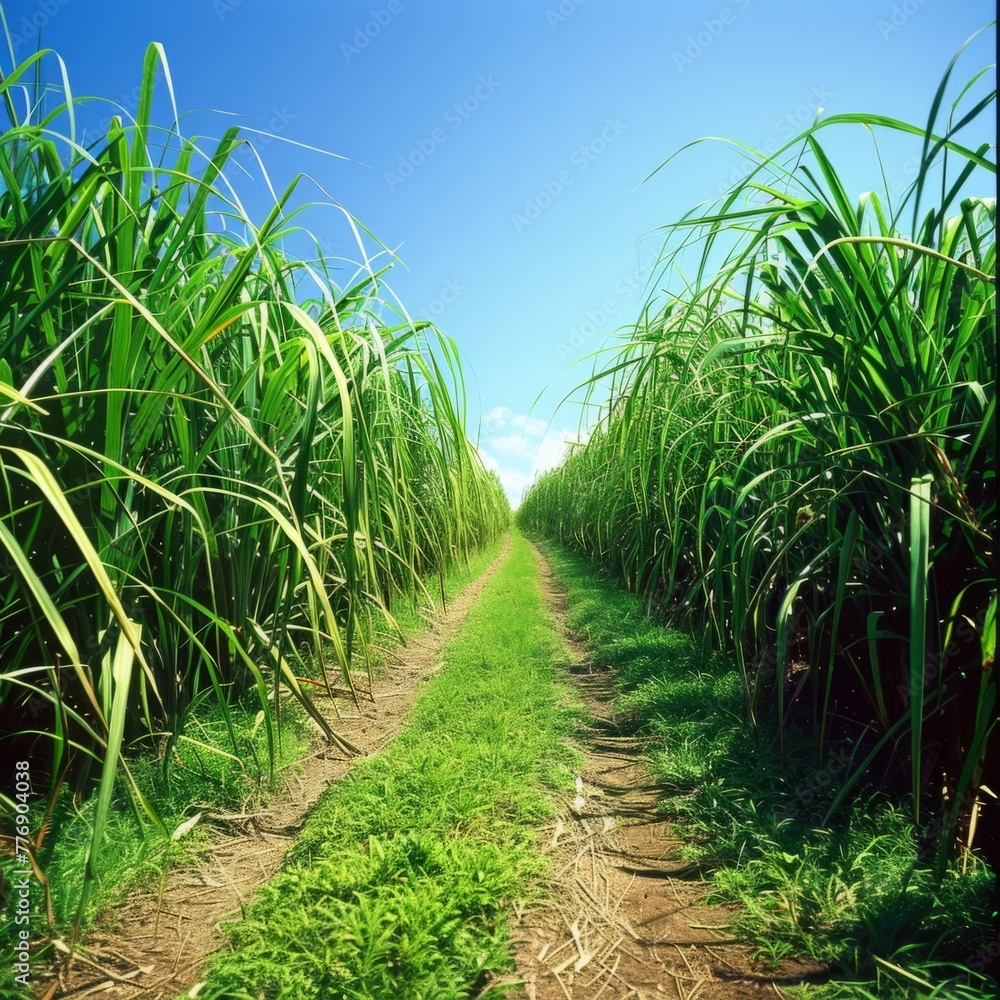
398, 885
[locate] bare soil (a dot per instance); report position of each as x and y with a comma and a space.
154, 944
625, 916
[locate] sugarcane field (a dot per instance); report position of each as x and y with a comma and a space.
498, 500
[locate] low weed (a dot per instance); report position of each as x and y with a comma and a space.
381, 641
202, 772
408, 913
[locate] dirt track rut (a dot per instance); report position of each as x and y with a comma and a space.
625, 918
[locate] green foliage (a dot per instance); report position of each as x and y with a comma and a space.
409, 616
412, 916
858, 894
217, 466
204, 775
206, 767
398, 884
851, 896
797, 452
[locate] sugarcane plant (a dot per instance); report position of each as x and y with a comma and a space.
797, 450
216, 463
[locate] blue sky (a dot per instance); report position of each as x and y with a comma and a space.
500, 148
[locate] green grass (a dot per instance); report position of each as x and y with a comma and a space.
203, 773
410, 613
858, 893
399, 882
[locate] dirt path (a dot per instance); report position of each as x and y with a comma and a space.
625, 917
154, 945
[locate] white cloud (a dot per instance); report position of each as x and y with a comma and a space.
496, 418
503, 418
551, 451
507, 444
526, 447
